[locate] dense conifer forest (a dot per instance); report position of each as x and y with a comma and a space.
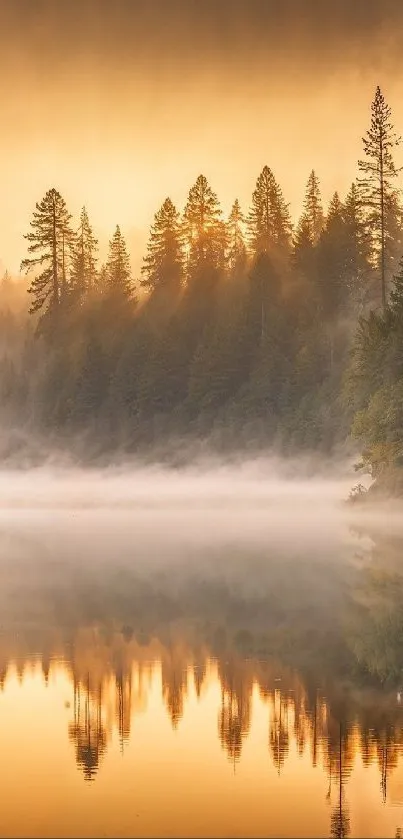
246, 331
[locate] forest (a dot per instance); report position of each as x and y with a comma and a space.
242, 332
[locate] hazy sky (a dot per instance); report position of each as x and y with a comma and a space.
119, 103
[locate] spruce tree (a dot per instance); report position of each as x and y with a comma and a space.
236, 250
118, 270
376, 185
269, 224
83, 268
163, 264
204, 230
49, 239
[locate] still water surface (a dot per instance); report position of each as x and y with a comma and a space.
158, 686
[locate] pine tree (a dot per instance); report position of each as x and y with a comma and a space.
331, 261
357, 251
163, 264
236, 250
204, 230
312, 219
49, 239
396, 295
118, 271
102, 280
303, 254
393, 232
379, 172
264, 294
269, 224
83, 269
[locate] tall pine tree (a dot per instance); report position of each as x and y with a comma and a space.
48, 241
376, 185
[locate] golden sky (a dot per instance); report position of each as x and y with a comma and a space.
119, 104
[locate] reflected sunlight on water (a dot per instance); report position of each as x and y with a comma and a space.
130, 741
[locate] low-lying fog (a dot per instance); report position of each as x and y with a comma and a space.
156, 508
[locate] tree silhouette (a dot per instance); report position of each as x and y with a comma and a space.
269, 224
51, 234
204, 230
84, 261
379, 172
163, 264
236, 254
312, 218
118, 272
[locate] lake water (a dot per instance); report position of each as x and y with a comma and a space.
200, 672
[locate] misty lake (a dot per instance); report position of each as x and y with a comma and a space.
198, 658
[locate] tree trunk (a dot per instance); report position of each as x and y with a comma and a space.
54, 256
382, 194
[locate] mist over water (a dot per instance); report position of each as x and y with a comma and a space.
208, 502
219, 627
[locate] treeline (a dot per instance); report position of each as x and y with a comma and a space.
245, 329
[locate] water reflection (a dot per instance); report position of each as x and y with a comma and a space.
317, 676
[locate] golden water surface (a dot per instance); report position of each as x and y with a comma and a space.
154, 705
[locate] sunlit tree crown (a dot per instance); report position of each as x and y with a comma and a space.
269, 224
163, 263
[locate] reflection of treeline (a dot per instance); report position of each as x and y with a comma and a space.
376, 622
244, 326
112, 679
256, 605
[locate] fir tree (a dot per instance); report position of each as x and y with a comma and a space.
236, 253
379, 172
118, 271
83, 269
269, 225
204, 229
48, 240
163, 264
